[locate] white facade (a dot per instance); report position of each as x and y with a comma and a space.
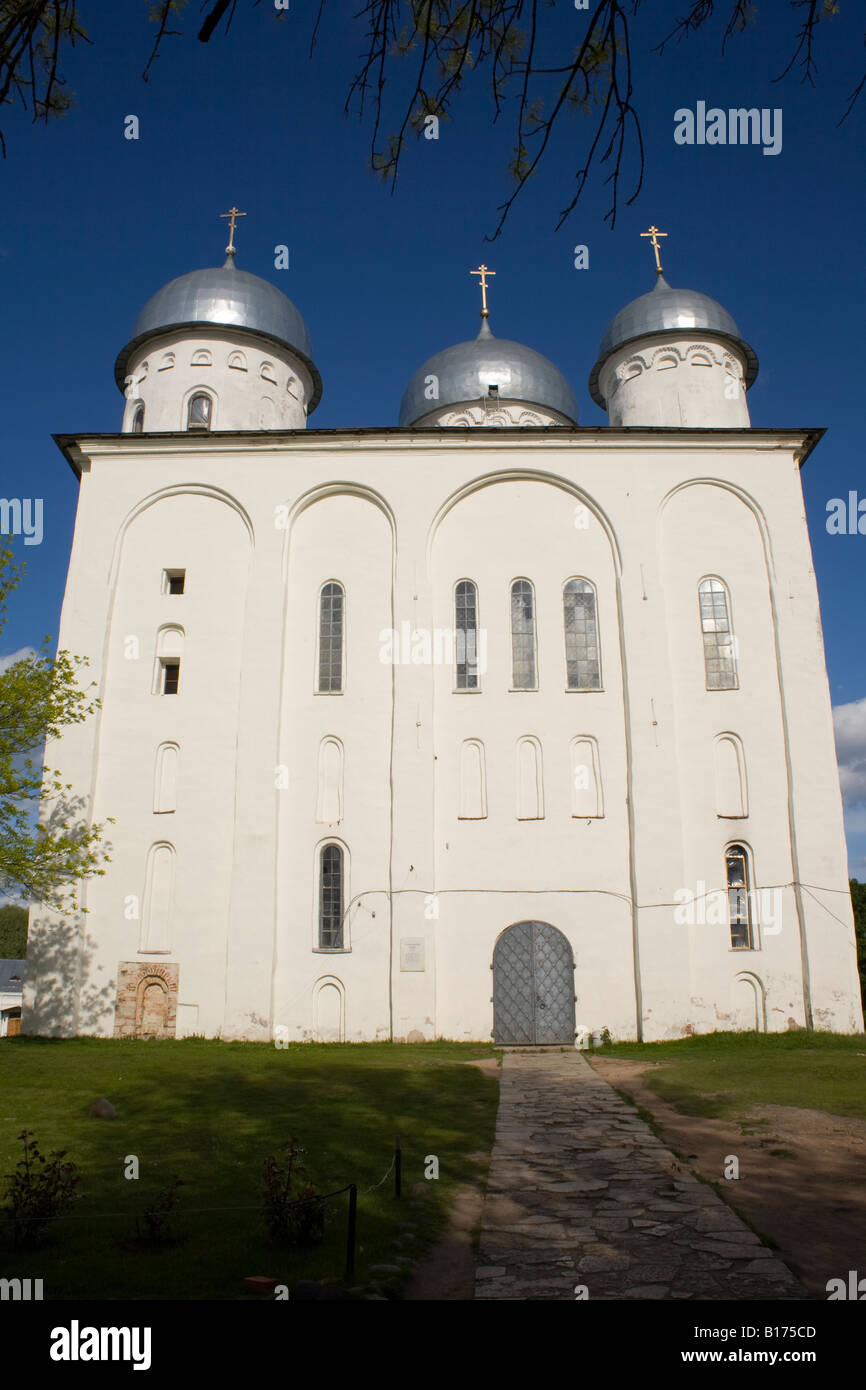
459, 812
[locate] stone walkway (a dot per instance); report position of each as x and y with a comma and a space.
581, 1192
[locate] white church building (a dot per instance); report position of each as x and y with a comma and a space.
481, 725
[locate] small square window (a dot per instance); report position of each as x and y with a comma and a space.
169, 677
173, 581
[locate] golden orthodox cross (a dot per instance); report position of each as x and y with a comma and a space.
233, 214
654, 235
483, 272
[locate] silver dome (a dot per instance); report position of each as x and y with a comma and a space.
666, 310
224, 295
466, 371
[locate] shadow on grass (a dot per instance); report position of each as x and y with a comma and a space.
211, 1113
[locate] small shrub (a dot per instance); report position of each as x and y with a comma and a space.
39, 1190
158, 1216
294, 1211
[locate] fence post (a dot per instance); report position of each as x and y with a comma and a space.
350, 1238
398, 1168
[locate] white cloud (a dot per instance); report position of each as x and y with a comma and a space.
850, 724
7, 661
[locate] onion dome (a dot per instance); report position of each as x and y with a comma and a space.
224, 296
677, 314
465, 372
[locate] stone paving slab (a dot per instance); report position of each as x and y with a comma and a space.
581, 1192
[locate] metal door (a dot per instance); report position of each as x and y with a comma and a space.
533, 985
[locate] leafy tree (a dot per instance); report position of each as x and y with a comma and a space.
41, 861
858, 902
13, 932
515, 43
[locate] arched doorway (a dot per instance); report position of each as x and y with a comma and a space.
533, 986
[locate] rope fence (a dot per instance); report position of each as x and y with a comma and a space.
394, 1167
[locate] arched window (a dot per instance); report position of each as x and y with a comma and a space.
331, 639
331, 898
739, 897
138, 419
466, 625
582, 664
199, 411
719, 660
522, 636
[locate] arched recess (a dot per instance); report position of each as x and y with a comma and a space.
157, 902
329, 1009
749, 1002
180, 490
165, 778
512, 475
169, 639
731, 784
587, 795
329, 800
151, 1007
530, 779
473, 781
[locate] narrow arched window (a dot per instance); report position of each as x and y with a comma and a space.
522, 636
739, 897
466, 625
719, 659
331, 604
138, 420
583, 668
199, 411
331, 898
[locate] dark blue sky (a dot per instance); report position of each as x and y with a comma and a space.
92, 224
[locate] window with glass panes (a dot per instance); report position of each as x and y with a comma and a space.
739, 909
719, 660
522, 635
331, 605
466, 624
331, 898
583, 668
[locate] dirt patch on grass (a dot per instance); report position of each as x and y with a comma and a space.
448, 1273
801, 1172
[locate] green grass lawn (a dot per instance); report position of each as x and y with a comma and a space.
720, 1075
211, 1112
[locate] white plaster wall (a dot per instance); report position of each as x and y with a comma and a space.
399, 518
